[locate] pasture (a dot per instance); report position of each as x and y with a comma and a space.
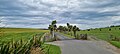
16, 34
105, 34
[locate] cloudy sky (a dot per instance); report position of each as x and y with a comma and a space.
39, 13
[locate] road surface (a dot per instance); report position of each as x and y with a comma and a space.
72, 46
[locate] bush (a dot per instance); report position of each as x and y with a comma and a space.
109, 29
20, 47
82, 36
100, 29
88, 29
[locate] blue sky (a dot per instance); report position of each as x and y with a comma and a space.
39, 13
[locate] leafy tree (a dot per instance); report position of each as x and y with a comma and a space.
60, 28
65, 29
69, 28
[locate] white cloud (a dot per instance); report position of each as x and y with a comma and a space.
39, 13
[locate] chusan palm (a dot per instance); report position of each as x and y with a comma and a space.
74, 30
52, 27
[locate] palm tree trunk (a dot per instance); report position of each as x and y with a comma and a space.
53, 34
71, 33
75, 34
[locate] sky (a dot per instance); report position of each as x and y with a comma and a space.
39, 13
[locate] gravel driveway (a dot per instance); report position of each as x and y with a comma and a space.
72, 46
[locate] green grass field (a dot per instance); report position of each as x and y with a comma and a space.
19, 40
16, 34
104, 34
19, 33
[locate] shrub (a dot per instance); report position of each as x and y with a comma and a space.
20, 47
109, 29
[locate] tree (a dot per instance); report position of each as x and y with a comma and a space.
65, 29
68, 26
78, 29
100, 29
55, 27
60, 28
74, 30
54, 22
71, 27
88, 29
52, 27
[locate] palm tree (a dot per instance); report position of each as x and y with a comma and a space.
54, 22
68, 26
60, 28
55, 27
78, 29
74, 30
52, 27
71, 27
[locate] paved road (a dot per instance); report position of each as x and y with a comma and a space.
72, 46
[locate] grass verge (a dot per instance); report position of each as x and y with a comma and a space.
53, 49
115, 43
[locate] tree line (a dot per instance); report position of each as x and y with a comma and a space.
65, 29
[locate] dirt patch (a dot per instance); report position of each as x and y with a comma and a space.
36, 50
93, 38
112, 48
105, 44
